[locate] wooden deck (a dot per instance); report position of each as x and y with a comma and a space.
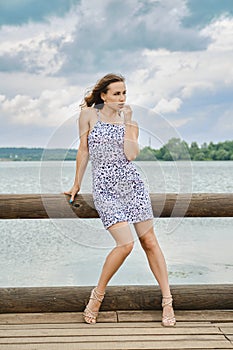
198, 329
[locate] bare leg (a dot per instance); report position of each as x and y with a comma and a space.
124, 244
148, 240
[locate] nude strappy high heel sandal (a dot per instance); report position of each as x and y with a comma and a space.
168, 321
89, 315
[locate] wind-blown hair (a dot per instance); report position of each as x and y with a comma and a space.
93, 97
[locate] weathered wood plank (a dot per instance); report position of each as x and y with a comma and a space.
132, 345
74, 299
123, 316
218, 315
118, 325
227, 330
155, 316
43, 206
126, 335
113, 338
222, 324
205, 315
66, 335
59, 317
93, 331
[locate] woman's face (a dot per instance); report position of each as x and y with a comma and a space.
115, 96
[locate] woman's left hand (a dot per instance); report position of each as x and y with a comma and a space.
127, 113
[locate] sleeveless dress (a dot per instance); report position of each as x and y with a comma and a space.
119, 193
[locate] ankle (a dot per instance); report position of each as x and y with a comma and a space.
100, 291
167, 300
96, 295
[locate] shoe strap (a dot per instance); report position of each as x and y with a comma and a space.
169, 318
169, 302
89, 313
96, 295
168, 321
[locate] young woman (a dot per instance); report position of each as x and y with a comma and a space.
110, 137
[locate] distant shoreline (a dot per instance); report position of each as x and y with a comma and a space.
174, 150
136, 160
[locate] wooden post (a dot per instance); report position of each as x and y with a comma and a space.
43, 206
73, 299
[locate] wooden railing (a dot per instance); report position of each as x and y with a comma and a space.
43, 206
74, 298
51, 299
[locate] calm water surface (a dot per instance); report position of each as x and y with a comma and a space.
72, 251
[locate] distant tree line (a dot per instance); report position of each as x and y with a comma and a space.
36, 154
174, 149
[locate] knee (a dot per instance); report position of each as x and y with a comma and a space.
127, 248
149, 243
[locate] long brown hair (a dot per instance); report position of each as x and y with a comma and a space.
93, 97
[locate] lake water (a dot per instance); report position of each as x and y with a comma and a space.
56, 252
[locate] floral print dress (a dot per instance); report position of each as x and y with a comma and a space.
119, 193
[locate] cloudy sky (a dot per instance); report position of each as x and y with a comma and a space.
176, 56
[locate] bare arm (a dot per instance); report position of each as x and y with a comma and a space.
131, 147
82, 154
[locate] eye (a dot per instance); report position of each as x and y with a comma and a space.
118, 93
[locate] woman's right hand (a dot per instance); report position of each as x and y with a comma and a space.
72, 192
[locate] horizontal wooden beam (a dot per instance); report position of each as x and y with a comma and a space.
133, 297
44, 206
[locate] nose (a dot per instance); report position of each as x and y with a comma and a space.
122, 97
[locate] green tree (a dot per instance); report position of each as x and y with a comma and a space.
222, 154
194, 148
212, 155
147, 153
179, 150
199, 156
167, 156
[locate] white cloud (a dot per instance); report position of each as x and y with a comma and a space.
104, 39
221, 32
165, 106
35, 47
177, 123
20, 83
166, 74
50, 109
196, 87
166, 65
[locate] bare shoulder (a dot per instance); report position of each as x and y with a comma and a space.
85, 122
87, 113
86, 117
133, 122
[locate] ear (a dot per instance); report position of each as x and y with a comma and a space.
103, 96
